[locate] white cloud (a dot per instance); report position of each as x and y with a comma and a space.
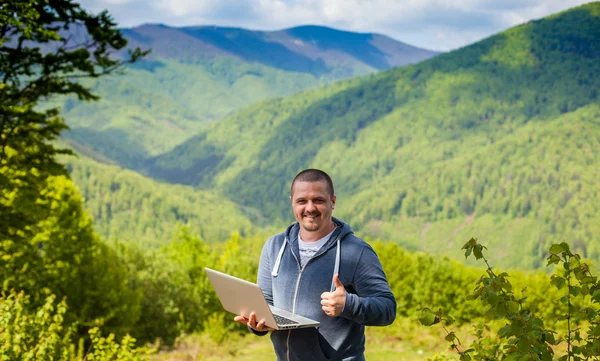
117, 2
433, 24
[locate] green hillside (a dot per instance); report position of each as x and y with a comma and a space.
129, 207
195, 76
152, 108
496, 140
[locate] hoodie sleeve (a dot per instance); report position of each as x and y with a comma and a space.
374, 303
264, 278
264, 272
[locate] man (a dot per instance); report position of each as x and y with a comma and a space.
319, 269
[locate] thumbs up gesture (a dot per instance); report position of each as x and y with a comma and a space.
333, 303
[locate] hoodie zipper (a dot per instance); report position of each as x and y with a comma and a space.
296, 290
293, 303
302, 270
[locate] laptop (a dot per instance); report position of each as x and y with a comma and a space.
242, 298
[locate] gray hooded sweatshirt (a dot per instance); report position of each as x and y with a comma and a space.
286, 285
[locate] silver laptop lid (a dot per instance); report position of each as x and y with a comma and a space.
241, 297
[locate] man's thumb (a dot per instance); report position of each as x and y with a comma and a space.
336, 281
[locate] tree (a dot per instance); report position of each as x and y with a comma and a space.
47, 243
45, 48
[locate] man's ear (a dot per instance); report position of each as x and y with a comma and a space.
333, 201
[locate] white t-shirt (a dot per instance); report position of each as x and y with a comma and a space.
308, 249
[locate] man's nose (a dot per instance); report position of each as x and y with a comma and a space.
310, 207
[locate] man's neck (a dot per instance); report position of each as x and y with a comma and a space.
317, 235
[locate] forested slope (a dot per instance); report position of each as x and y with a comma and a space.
194, 76
497, 139
131, 208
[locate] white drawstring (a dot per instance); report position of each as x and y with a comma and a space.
275, 271
336, 268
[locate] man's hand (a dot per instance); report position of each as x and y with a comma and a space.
251, 322
333, 302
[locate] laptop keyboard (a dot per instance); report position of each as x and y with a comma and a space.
280, 320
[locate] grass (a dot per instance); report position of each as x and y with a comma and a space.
405, 340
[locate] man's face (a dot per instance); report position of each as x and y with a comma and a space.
312, 205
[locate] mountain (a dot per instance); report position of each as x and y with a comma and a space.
316, 50
197, 75
497, 140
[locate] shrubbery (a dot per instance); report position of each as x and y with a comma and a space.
523, 334
42, 335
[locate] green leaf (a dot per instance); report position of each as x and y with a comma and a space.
512, 357
513, 307
556, 249
507, 286
575, 290
493, 299
523, 345
558, 281
465, 357
553, 259
596, 295
594, 331
537, 322
516, 327
565, 246
427, 317
587, 279
450, 337
470, 243
505, 331
585, 290
574, 260
549, 337
468, 252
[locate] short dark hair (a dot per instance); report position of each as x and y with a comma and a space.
313, 175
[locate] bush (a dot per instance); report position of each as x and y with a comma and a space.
524, 335
42, 335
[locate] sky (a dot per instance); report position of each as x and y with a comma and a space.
431, 24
